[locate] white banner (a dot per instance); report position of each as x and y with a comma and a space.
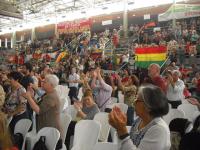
179, 11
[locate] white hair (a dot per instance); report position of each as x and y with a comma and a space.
52, 79
177, 72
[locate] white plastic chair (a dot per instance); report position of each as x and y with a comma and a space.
63, 94
172, 114
52, 136
80, 94
71, 111
65, 120
22, 126
195, 115
170, 106
188, 109
102, 118
113, 100
121, 97
122, 106
105, 146
86, 134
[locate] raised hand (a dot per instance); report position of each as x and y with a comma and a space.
118, 120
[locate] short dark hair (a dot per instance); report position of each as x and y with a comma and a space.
154, 99
28, 66
179, 125
17, 76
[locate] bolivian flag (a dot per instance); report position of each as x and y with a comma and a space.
148, 55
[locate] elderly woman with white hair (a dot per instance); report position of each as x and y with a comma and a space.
149, 131
49, 105
175, 88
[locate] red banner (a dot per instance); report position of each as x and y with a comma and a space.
74, 26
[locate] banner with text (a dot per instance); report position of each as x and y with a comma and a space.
179, 11
74, 26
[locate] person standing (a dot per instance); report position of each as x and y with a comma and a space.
73, 81
48, 107
155, 78
181, 54
175, 89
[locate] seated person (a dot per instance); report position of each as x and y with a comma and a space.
149, 131
86, 109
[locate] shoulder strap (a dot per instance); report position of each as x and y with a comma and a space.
104, 103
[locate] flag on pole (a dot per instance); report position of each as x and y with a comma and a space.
148, 55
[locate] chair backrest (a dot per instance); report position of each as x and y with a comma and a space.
122, 106
71, 111
63, 94
86, 134
52, 136
105, 146
102, 118
65, 120
22, 126
172, 114
121, 97
114, 100
188, 109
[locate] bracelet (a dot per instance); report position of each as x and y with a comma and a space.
123, 136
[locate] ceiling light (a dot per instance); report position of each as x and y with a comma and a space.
131, 3
83, 12
133, 15
104, 8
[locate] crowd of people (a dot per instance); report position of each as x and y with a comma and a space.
32, 88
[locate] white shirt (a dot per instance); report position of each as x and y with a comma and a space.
73, 77
156, 138
125, 58
176, 93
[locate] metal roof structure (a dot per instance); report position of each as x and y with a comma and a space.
24, 14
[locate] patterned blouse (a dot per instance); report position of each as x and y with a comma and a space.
137, 135
130, 93
14, 99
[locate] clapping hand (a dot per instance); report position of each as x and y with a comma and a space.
194, 101
118, 120
78, 105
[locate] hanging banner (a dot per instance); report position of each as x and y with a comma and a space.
179, 11
74, 26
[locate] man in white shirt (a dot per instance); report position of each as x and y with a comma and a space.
175, 89
73, 81
125, 60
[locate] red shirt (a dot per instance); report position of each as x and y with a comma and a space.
125, 79
160, 82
